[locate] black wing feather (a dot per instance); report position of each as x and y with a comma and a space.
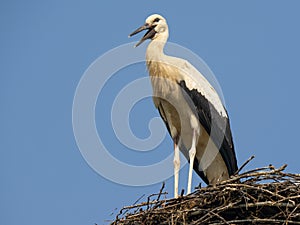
221, 132
162, 115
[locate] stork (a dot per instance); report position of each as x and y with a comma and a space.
191, 109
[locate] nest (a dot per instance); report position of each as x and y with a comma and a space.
262, 196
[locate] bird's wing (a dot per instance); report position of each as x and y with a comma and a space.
162, 113
211, 113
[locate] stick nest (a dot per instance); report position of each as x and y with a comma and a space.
262, 196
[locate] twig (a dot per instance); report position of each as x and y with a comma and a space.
244, 164
160, 191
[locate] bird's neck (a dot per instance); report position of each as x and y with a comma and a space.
155, 50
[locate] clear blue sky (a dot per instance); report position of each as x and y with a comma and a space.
45, 46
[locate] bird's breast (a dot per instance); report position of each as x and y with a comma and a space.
164, 79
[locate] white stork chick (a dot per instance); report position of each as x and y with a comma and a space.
191, 109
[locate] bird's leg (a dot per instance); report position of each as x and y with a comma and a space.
176, 169
192, 153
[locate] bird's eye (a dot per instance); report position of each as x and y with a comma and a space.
156, 20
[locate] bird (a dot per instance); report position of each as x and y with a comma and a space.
191, 109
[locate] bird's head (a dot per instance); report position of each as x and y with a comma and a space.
157, 27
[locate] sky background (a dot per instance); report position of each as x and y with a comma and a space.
45, 46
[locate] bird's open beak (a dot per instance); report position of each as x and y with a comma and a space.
148, 35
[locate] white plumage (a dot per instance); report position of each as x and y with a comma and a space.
191, 109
